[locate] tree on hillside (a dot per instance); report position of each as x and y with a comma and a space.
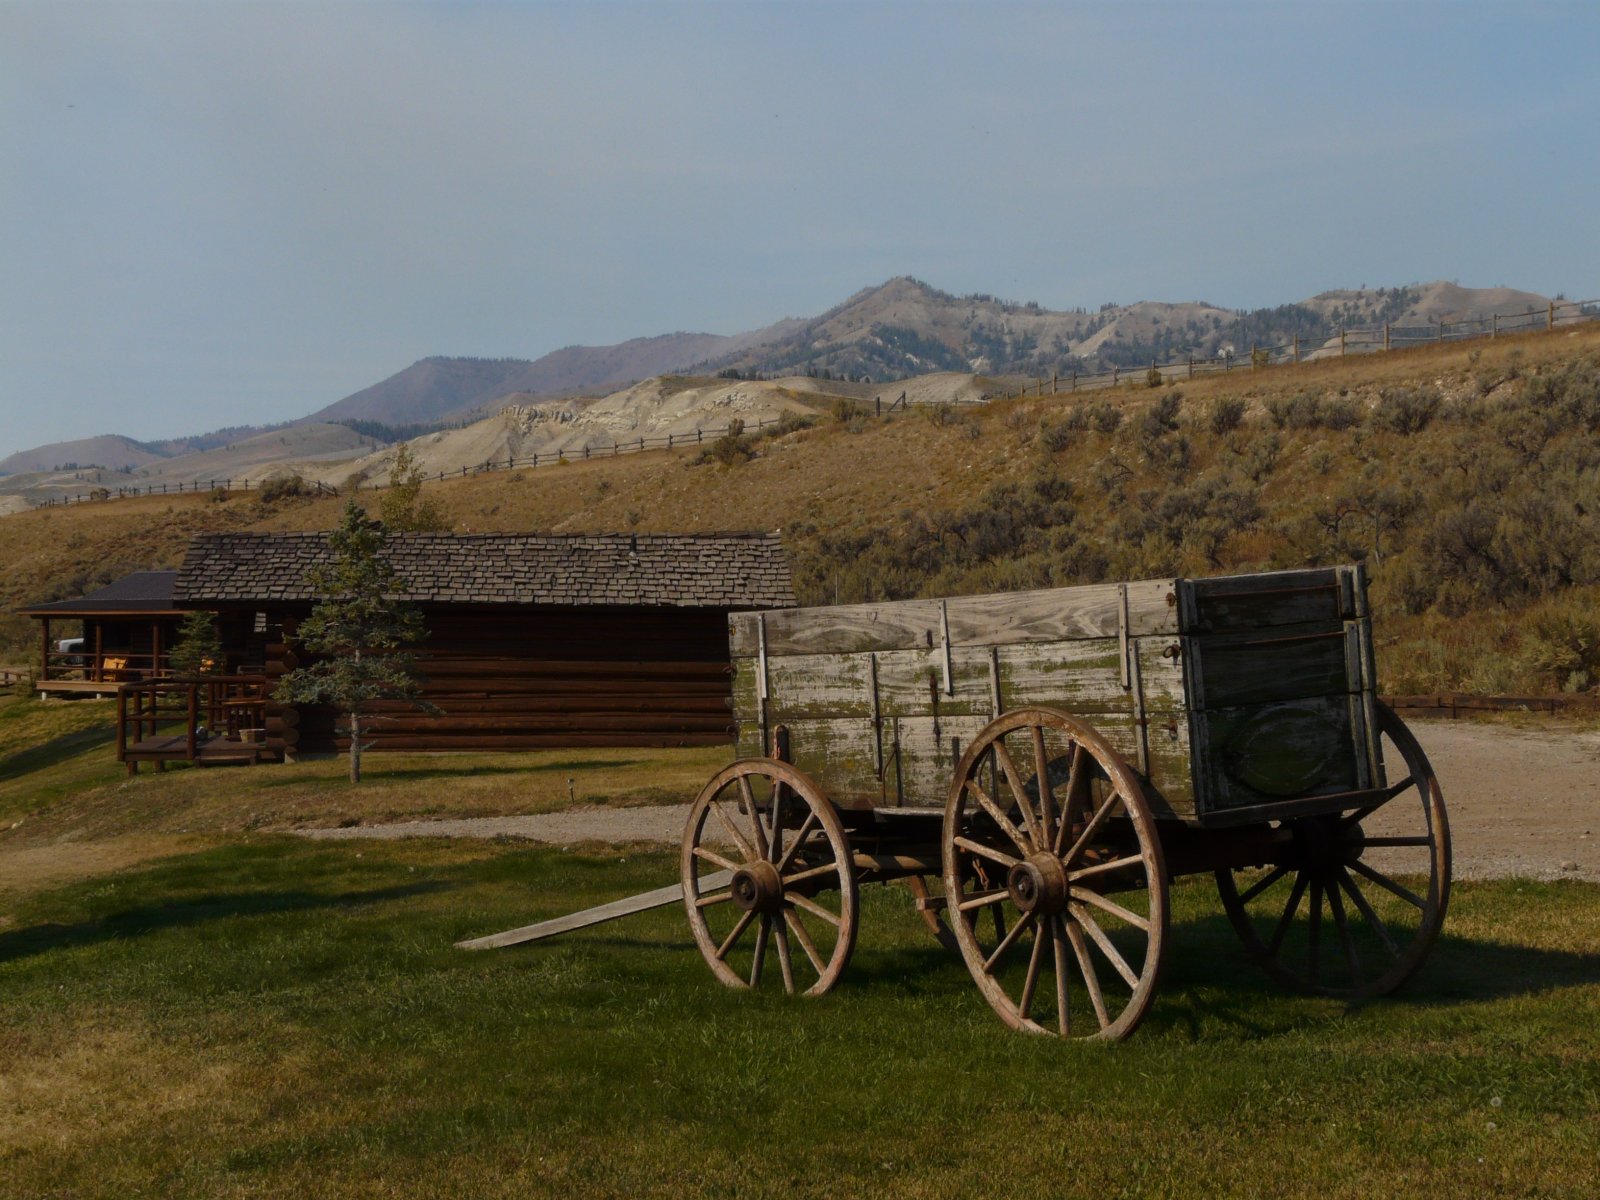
356, 632
198, 650
403, 508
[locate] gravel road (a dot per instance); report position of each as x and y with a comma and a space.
1520, 802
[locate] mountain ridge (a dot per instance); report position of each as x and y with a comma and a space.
893, 330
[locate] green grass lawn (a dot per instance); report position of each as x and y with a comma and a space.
272, 1017
59, 776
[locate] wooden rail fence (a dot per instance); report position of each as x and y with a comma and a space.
1157, 374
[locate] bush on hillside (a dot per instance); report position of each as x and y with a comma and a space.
286, 485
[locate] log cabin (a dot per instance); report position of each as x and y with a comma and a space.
533, 640
116, 634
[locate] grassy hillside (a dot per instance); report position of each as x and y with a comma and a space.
1466, 476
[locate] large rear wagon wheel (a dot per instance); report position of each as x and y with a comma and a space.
1353, 902
768, 875
1048, 840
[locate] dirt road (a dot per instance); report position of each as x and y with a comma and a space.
1521, 803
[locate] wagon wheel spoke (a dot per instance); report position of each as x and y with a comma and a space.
1263, 884
784, 862
1031, 983
1030, 819
1368, 913
1341, 926
1076, 778
1107, 947
1101, 815
812, 907
822, 872
1047, 799
1058, 945
785, 962
1381, 870
1089, 896
1105, 868
806, 828
1007, 942
803, 936
1038, 891
998, 817
1314, 934
993, 855
1383, 881
748, 796
1289, 911
711, 856
738, 929
760, 959
980, 899
732, 830
1373, 842
774, 822
1091, 977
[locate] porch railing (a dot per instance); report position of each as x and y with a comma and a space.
197, 709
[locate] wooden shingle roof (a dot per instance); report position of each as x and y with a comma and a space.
741, 570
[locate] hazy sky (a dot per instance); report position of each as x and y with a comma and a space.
223, 213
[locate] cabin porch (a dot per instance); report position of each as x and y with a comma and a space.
201, 721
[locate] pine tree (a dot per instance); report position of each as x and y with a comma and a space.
356, 632
198, 650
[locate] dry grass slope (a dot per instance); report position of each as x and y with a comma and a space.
1466, 475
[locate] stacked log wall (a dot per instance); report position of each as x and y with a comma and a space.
530, 678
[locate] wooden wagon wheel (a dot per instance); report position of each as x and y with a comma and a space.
1044, 824
766, 865
1353, 904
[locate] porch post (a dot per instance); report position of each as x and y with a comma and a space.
155, 648
44, 651
99, 652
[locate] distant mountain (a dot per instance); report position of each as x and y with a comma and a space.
110, 450
905, 327
895, 330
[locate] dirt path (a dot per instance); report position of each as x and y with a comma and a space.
1521, 802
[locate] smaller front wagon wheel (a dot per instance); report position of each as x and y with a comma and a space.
768, 873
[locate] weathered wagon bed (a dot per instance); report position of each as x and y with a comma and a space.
1038, 765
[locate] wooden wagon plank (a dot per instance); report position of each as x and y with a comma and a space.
1051, 615
920, 755
1080, 677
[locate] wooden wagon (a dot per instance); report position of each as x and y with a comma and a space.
1038, 766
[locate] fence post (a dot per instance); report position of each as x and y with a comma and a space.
1386, 345
1341, 341
1550, 320
1191, 366
1116, 374
1254, 350
1297, 347
669, 441
1054, 377
1227, 360
1494, 325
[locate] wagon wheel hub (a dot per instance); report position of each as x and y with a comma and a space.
758, 888
1323, 844
1038, 884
